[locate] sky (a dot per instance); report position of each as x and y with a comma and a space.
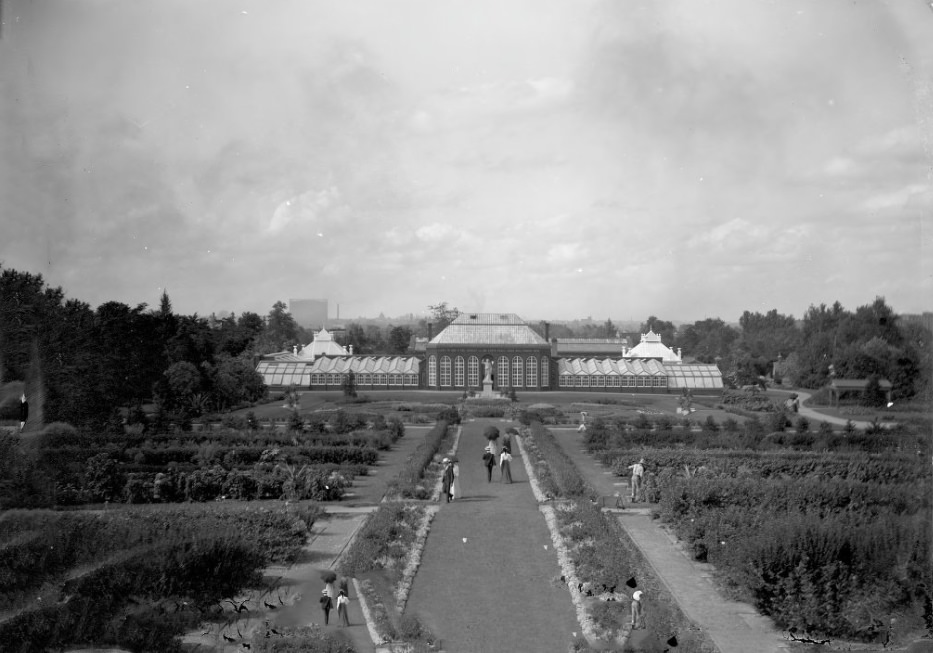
553, 158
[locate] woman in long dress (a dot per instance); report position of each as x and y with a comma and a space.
342, 601
456, 492
447, 486
505, 465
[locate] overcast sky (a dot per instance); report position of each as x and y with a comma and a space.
556, 159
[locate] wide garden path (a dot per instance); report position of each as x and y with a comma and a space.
486, 579
735, 627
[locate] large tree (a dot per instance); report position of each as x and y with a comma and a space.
399, 339
708, 340
663, 328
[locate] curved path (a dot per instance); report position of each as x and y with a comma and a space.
495, 591
734, 627
817, 416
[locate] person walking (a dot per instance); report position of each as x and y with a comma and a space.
457, 494
638, 614
342, 601
23, 412
447, 484
489, 459
505, 465
326, 605
638, 477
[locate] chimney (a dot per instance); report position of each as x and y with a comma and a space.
351, 350
430, 331
547, 331
679, 355
295, 350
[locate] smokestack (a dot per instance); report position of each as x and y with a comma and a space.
547, 331
430, 331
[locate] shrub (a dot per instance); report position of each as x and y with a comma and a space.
450, 415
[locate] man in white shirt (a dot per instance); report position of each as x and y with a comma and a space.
638, 477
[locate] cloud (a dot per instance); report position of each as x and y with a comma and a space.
304, 209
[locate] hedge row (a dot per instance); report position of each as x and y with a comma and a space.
822, 558
263, 481
208, 454
567, 478
768, 434
384, 541
96, 607
409, 482
607, 560
892, 469
603, 555
39, 546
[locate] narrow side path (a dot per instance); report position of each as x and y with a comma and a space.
816, 416
371, 488
735, 627
486, 579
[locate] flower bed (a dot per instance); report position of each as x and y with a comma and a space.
595, 554
410, 482
139, 563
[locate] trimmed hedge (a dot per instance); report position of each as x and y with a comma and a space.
409, 482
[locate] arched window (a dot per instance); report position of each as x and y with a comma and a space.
545, 366
531, 372
502, 372
517, 372
445, 371
432, 371
458, 371
473, 371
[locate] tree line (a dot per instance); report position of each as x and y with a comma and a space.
90, 366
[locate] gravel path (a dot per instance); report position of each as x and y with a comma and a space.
496, 591
735, 627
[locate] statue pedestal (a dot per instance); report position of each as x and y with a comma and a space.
487, 390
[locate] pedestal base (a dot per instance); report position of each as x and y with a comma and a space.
487, 390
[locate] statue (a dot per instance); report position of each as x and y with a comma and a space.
487, 367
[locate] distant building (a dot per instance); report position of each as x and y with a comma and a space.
518, 357
309, 313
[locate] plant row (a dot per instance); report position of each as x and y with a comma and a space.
604, 558
410, 482
754, 433
150, 574
214, 454
823, 559
124, 603
104, 481
890, 469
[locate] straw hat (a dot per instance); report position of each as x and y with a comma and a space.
637, 595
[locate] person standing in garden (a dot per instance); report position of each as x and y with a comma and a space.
457, 494
638, 477
447, 485
326, 605
638, 614
489, 460
23, 412
342, 601
505, 465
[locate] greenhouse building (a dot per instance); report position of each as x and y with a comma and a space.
503, 348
